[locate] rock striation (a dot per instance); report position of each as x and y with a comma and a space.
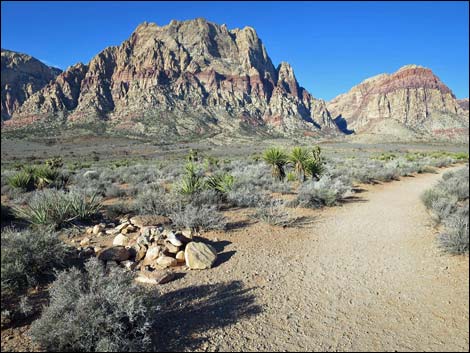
185, 78
410, 101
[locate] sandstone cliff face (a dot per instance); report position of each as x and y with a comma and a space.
191, 75
413, 97
21, 76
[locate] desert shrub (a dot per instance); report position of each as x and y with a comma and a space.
117, 210
94, 311
114, 191
155, 201
58, 208
448, 202
243, 195
273, 213
325, 192
206, 197
198, 218
291, 177
28, 255
455, 238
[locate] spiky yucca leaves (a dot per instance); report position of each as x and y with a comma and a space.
277, 159
314, 169
44, 176
191, 182
300, 158
21, 180
222, 183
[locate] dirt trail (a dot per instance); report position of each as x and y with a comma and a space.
365, 276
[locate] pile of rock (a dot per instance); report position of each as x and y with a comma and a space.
149, 244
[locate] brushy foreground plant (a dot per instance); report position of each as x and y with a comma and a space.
198, 218
325, 192
57, 208
27, 255
274, 213
96, 311
448, 202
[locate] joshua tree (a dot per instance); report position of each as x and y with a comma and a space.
300, 158
277, 159
314, 165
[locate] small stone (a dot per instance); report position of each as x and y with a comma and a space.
97, 249
111, 231
171, 237
85, 242
115, 253
148, 230
140, 252
120, 227
120, 240
100, 234
125, 230
187, 233
180, 256
130, 265
166, 261
152, 254
199, 256
97, 228
155, 277
172, 249
89, 230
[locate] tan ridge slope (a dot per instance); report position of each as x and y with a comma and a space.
412, 100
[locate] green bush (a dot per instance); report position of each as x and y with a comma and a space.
22, 180
58, 208
96, 311
28, 255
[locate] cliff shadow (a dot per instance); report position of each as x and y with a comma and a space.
342, 125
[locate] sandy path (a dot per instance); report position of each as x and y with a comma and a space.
365, 276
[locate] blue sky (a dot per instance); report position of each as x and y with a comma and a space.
332, 46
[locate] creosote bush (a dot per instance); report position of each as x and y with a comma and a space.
96, 310
28, 255
198, 218
325, 192
448, 203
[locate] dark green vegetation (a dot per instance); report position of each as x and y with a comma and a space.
448, 202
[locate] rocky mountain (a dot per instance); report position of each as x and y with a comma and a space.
185, 78
412, 102
463, 104
22, 76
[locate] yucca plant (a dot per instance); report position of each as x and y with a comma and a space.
299, 157
314, 168
191, 181
44, 176
222, 183
22, 180
277, 159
